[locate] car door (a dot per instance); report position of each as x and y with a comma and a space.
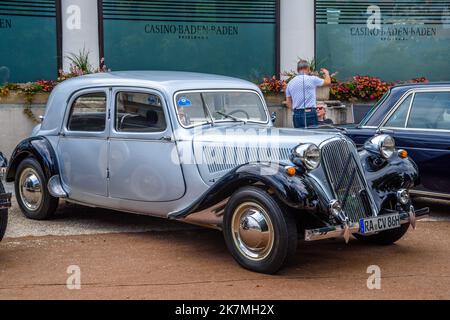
143, 160
82, 145
421, 125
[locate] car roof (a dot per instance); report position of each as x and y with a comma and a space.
421, 85
169, 81
378, 113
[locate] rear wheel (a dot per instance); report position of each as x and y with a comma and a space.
32, 194
258, 234
3, 216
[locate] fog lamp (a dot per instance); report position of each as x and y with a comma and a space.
335, 208
403, 196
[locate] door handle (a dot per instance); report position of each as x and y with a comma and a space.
166, 138
385, 131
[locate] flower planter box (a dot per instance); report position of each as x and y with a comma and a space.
323, 93
275, 100
361, 108
20, 98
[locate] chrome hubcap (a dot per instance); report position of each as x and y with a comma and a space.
30, 188
252, 230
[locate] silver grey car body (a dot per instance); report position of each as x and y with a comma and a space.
174, 172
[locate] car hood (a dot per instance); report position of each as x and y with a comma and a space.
220, 149
259, 136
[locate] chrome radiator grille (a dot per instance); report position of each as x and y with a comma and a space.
345, 178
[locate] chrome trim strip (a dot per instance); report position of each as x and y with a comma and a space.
430, 194
408, 115
420, 129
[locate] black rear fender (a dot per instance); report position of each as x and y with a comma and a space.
39, 148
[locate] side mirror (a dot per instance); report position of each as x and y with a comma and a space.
273, 117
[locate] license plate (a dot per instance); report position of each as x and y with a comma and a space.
385, 222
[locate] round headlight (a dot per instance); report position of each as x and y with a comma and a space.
382, 144
307, 154
387, 147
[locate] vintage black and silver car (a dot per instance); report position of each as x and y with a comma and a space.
5, 198
202, 149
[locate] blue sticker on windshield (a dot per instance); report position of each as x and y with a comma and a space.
184, 102
152, 100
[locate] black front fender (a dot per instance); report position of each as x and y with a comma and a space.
295, 192
39, 148
394, 175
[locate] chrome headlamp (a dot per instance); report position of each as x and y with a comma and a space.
403, 196
383, 144
307, 155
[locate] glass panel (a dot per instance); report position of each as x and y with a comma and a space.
236, 38
198, 108
430, 110
390, 39
139, 112
27, 41
88, 113
398, 119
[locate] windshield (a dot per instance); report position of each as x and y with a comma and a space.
194, 108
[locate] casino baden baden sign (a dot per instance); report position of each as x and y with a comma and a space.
195, 32
28, 43
229, 37
390, 39
395, 31
399, 33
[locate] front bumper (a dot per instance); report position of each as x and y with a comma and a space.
346, 230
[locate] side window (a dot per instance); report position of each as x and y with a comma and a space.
398, 118
88, 113
430, 110
139, 112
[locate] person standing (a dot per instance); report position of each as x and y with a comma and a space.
301, 95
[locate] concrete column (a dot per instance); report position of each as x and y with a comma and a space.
297, 32
80, 30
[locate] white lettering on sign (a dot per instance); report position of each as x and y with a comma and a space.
374, 21
73, 21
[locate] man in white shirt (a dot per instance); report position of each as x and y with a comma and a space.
301, 95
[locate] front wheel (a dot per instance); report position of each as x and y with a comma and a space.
32, 194
258, 234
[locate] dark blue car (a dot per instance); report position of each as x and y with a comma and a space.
418, 117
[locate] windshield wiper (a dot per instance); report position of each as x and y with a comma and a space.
226, 115
208, 111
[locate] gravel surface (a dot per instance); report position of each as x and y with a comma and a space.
196, 265
73, 219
